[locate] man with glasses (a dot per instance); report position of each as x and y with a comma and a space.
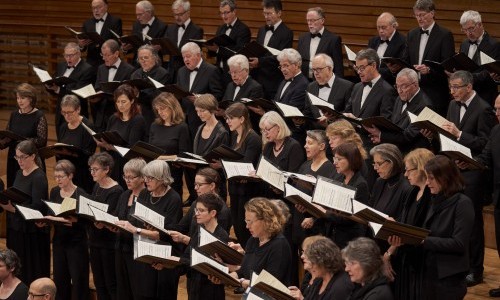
429, 41
82, 74
411, 99
181, 32
101, 22
319, 40
113, 69
388, 43
42, 289
236, 30
478, 40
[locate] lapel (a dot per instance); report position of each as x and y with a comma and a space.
470, 110
397, 115
373, 92
201, 73
243, 88
333, 91
307, 46
280, 89
186, 35
417, 46
433, 39
76, 72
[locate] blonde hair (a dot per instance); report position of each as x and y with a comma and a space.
268, 212
417, 159
346, 131
207, 102
169, 101
273, 118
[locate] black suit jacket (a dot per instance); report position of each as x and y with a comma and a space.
329, 44
410, 138
395, 48
339, 94
240, 33
122, 73
379, 101
268, 74
484, 85
192, 31
94, 50
439, 47
207, 80
156, 30
250, 89
490, 157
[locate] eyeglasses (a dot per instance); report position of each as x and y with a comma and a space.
148, 178
197, 185
250, 222
200, 210
337, 159
180, 14
350, 263
313, 20
456, 87
284, 66
22, 157
31, 295
403, 86
362, 68
129, 178
144, 57
421, 15
94, 170
235, 72
379, 164
69, 55
409, 170
268, 13
265, 130
470, 29
106, 54
317, 70
225, 13
59, 177
67, 113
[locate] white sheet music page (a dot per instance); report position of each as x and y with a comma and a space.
350, 54
333, 195
270, 280
315, 100
122, 150
236, 169
289, 111
156, 83
29, 213
149, 215
103, 216
85, 91
358, 206
272, 175
84, 209
198, 258
448, 144
42, 74
428, 114
206, 237
157, 250
55, 207
291, 191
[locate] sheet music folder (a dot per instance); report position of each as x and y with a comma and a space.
14, 195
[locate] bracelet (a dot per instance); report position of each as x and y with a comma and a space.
388, 253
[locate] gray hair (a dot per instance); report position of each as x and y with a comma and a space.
470, 15
191, 47
392, 19
113, 45
135, 166
465, 76
71, 101
425, 5
326, 58
147, 6
367, 253
318, 10
392, 154
11, 260
409, 73
103, 159
290, 54
238, 60
153, 52
159, 170
178, 3
318, 135
326, 254
72, 45
370, 55
230, 3
65, 166
273, 118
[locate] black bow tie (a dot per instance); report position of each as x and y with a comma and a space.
145, 25
99, 20
70, 67
461, 104
313, 35
384, 41
473, 42
369, 83
424, 31
326, 85
270, 27
229, 26
182, 25
193, 70
288, 80
111, 67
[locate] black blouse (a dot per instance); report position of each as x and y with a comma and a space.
103, 238
64, 234
131, 131
173, 139
289, 159
218, 137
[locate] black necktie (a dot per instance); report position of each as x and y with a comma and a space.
313, 35
369, 83
145, 25
270, 27
229, 26
424, 31
461, 104
194, 70
69, 67
326, 85
473, 42
182, 25
384, 41
99, 20
111, 67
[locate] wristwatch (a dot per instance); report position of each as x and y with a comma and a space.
138, 230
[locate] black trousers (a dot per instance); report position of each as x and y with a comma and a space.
126, 275
102, 262
71, 270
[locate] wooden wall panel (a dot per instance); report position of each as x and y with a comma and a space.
31, 30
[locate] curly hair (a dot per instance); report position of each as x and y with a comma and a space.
269, 213
325, 254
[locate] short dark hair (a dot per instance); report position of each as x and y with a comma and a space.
26, 90
370, 55
28, 147
211, 202
65, 166
463, 75
276, 4
351, 152
425, 5
104, 159
211, 176
446, 173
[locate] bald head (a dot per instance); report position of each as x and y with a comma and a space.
386, 25
43, 287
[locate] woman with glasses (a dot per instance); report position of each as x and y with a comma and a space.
32, 244
26, 121
128, 122
364, 265
73, 133
69, 244
126, 270
170, 133
11, 288
101, 240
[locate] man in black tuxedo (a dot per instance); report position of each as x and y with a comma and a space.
236, 30
471, 120
77, 69
411, 99
478, 40
197, 77
113, 69
146, 24
101, 22
388, 43
181, 32
490, 157
319, 40
328, 86
432, 42
274, 34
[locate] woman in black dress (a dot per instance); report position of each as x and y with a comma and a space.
324, 261
32, 244
72, 132
69, 245
12, 288
27, 121
450, 219
129, 124
248, 143
101, 240
170, 133
126, 267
